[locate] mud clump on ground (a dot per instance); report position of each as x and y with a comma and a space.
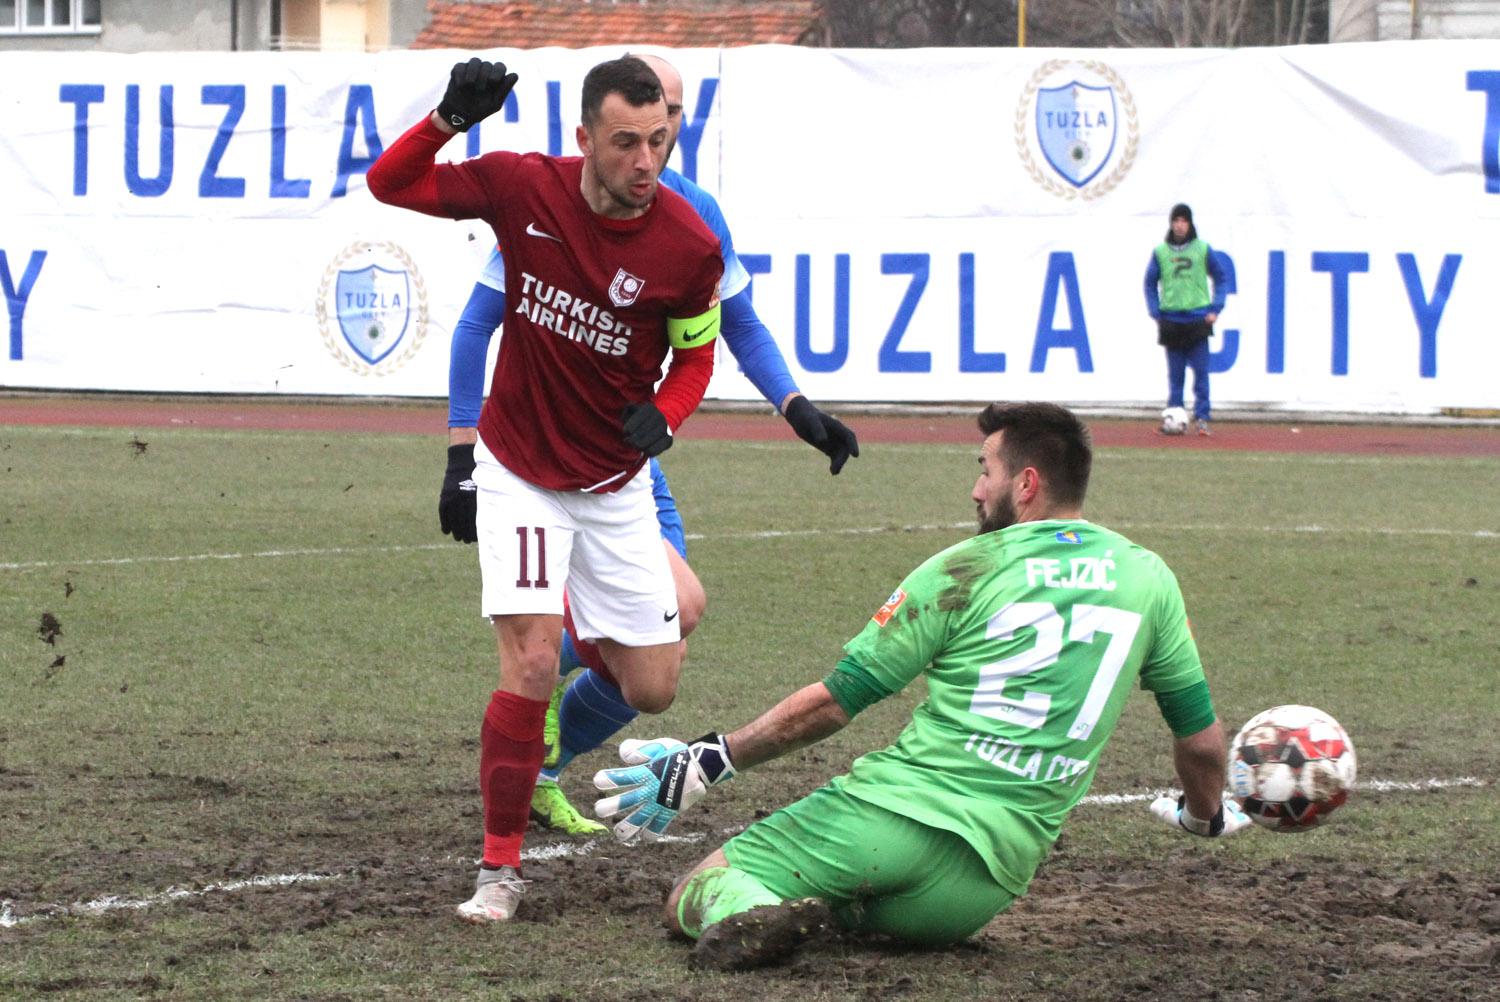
1188, 923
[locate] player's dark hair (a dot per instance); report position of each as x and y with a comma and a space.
1048, 437
628, 76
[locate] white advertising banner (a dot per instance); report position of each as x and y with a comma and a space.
921, 225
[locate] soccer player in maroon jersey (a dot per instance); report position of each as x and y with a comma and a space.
607, 272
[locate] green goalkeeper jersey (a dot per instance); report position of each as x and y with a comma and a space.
1031, 639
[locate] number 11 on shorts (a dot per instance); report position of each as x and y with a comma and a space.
523, 580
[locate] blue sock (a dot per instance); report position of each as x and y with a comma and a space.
592, 712
568, 655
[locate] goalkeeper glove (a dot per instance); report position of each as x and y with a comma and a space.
476, 90
823, 432
458, 502
1227, 821
646, 428
663, 778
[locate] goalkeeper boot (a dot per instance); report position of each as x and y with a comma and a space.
550, 809
497, 895
762, 936
552, 728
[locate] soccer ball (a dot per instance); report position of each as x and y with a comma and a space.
1290, 767
1174, 421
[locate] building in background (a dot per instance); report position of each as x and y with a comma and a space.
209, 25
578, 24
368, 25
355, 25
1395, 20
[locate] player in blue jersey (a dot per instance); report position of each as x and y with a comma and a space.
591, 709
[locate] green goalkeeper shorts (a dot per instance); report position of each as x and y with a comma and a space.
880, 871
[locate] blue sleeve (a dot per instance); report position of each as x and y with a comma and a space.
753, 347
1153, 276
736, 278
748, 339
1220, 280
482, 315
668, 518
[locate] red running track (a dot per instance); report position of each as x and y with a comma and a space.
429, 418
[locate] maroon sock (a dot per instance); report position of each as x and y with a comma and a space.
510, 753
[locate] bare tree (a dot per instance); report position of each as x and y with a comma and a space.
1354, 20
1286, 22
1218, 23
1130, 23
912, 23
1169, 23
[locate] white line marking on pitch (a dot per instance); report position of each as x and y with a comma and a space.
558, 850
1133, 526
1371, 786
1168, 454
873, 530
112, 903
360, 550
332, 551
1317, 530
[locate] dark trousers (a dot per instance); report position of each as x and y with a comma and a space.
1187, 348
1179, 360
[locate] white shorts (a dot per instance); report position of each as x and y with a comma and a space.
604, 548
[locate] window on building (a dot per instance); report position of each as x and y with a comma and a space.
50, 17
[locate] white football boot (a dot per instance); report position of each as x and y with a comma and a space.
497, 895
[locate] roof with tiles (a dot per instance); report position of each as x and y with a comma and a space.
577, 24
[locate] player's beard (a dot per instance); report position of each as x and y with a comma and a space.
625, 199
1002, 517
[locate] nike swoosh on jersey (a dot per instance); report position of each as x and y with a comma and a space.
667, 619
690, 338
532, 231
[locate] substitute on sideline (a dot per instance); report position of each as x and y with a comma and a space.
1177, 298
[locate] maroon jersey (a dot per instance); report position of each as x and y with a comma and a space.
587, 302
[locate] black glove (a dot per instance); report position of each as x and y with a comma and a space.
458, 504
823, 432
646, 428
476, 90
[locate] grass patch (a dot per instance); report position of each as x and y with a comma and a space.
270, 662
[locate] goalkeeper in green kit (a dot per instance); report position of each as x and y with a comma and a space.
1031, 635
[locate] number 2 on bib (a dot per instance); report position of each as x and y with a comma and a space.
1031, 709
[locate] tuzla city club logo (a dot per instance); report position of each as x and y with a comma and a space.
372, 307
1076, 128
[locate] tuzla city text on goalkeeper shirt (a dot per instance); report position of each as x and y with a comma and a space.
589, 306
1031, 639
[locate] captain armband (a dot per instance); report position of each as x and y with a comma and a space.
693, 332
853, 688
1187, 711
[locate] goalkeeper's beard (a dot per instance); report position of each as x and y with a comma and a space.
1002, 517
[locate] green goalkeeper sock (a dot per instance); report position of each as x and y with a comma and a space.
715, 894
